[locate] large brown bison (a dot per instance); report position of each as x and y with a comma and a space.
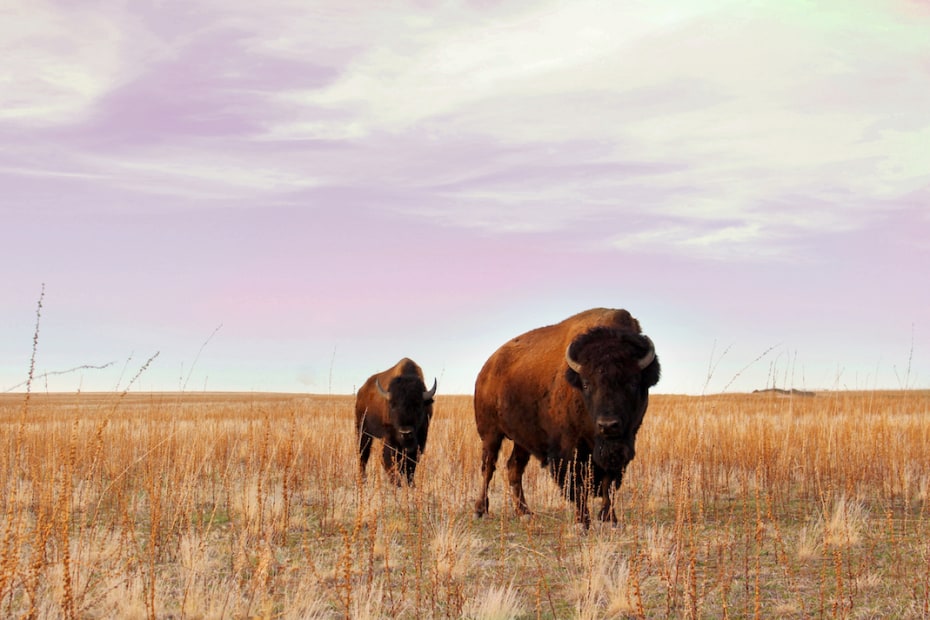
571, 394
396, 407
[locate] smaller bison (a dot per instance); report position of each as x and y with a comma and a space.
396, 407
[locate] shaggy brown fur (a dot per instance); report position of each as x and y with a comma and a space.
583, 426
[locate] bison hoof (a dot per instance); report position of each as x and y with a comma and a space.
481, 508
607, 516
580, 528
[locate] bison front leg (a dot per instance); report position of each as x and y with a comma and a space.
516, 465
408, 465
581, 509
575, 479
578, 492
490, 448
392, 459
364, 450
606, 489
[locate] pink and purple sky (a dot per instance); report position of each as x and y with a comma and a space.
336, 185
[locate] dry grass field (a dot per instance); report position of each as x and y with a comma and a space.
250, 505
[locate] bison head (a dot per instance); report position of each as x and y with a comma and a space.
613, 370
409, 406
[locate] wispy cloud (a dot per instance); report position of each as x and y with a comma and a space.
729, 99
507, 118
60, 59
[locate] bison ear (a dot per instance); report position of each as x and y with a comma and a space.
573, 378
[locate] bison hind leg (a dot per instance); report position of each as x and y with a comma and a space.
516, 465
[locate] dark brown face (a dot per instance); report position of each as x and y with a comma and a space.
613, 372
410, 406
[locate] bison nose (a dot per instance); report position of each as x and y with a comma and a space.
608, 426
406, 431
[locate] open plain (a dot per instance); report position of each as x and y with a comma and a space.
214, 505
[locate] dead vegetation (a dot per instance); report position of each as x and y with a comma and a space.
250, 505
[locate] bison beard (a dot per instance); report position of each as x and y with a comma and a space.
612, 454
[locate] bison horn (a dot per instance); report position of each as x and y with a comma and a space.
572, 363
429, 395
381, 390
645, 360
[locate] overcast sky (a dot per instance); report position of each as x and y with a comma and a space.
289, 195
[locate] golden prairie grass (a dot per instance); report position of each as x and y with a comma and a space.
250, 505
